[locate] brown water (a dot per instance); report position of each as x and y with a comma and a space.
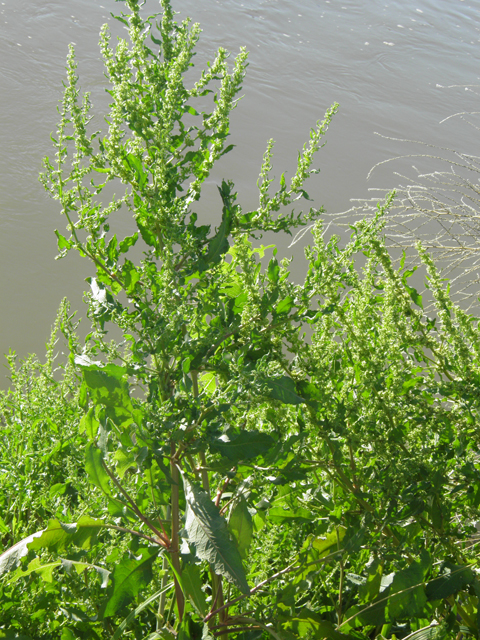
390, 64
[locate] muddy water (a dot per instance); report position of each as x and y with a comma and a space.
397, 67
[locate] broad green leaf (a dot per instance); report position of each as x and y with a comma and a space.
434, 631
107, 385
89, 424
371, 589
192, 587
415, 296
219, 244
273, 271
62, 242
188, 109
80, 567
332, 539
245, 446
407, 597
208, 533
35, 566
10, 559
45, 570
125, 460
240, 525
284, 306
95, 470
285, 513
283, 389
54, 538
147, 235
208, 383
57, 536
454, 578
127, 242
130, 276
354, 538
130, 575
306, 623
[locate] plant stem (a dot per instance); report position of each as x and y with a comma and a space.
163, 597
174, 546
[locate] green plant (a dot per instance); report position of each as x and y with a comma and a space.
256, 483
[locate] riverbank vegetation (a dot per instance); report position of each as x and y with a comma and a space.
248, 457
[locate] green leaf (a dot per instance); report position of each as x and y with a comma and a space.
89, 424
125, 460
371, 588
57, 536
407, 597
147, 235
219, 245
192, 587
54, 538
283, 511
107, 385
80, 567
324, 545
285, 305
283, 389
10, 559
62, 242
35, 566
190, 110
208, 533
240, 525
127, 242
306, 623
245, 446
273, 271
434, 631
454, 578
130, 575
95, 469
415, 296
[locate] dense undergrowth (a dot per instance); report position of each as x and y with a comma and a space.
216, 473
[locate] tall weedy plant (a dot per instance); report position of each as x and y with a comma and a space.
255, 484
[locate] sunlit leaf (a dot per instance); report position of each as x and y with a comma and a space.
240, 525
129, 576
208, 533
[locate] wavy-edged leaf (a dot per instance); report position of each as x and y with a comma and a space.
57, 535
332, 539
107, 384
54, 538
407, 596
129, 576
454, 578
240, 525
283, 389
245, 446
208, 533
95, 470
10, 559
306, 623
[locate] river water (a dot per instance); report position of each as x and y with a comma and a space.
397, 67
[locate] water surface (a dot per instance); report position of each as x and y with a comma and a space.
397, 68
